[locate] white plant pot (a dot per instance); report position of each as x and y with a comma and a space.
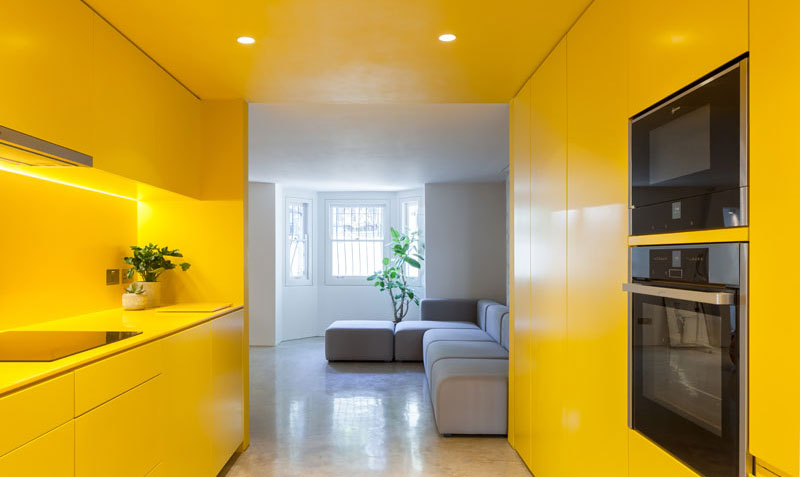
134, 301
153, 292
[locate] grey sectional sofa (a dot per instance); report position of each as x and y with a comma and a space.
467, 371
464, 347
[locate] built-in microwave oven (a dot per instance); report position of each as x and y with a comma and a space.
689, 157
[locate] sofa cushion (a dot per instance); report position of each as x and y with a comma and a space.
494, 318
432, 336
454, 309
462, 349
505, 333
470, 396
483, 305
408, 336
359, 340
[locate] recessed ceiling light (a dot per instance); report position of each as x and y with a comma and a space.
447, 37
246, 40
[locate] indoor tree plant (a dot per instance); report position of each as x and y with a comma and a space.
405, 251
150, 262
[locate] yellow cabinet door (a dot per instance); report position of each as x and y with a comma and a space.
45, 52
675, 42
520, 293
227, 421
549, 241
50, 455
597, 177
187, 382
124, 436
146, 126
774, 380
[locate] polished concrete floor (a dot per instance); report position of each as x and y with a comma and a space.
311, 418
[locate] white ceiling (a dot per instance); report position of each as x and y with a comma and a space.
347, 147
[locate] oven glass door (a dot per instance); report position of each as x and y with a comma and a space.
690, 146
685, 386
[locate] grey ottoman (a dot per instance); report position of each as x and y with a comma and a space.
359, 340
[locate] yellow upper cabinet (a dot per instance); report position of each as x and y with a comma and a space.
45, 52
549, 261
674, 42
774, 101
597, 227
146, 126
520, 293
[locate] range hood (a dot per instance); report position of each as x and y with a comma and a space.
21, 149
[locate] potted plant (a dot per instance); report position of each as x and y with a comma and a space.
150, 262
406, 251
134, 298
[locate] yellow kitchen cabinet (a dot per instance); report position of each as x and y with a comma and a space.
123, 437
546, 353
50, 455
33, 411
187, 376
597, 228
648, 460
774, 380
520, 292
45, 52
145, 125
227, 386
675, 42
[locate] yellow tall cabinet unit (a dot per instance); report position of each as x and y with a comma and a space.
674, 42
774, 169
549, 280
520, 293
597, 226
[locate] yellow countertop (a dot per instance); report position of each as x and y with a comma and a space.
153, 325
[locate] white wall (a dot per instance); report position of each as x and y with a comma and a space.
465, 230
262, 264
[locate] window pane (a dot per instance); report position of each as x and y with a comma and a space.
297, 239
356, 233
410, 224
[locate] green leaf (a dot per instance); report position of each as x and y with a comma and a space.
385, 261
412, 262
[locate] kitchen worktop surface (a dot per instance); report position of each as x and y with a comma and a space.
152, 324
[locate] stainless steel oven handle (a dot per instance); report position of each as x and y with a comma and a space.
711, 298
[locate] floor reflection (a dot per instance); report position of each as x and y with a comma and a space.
309, 418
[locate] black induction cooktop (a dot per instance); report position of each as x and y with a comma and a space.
36, 345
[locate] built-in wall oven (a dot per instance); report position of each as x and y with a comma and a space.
688, 353
688, 157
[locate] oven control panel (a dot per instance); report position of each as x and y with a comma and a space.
679, 264
709, 263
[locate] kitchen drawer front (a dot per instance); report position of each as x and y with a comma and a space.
123, 437
51, 454
106, 379
31, 412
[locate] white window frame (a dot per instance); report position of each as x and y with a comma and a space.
415, 281
330, 279
289, 280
